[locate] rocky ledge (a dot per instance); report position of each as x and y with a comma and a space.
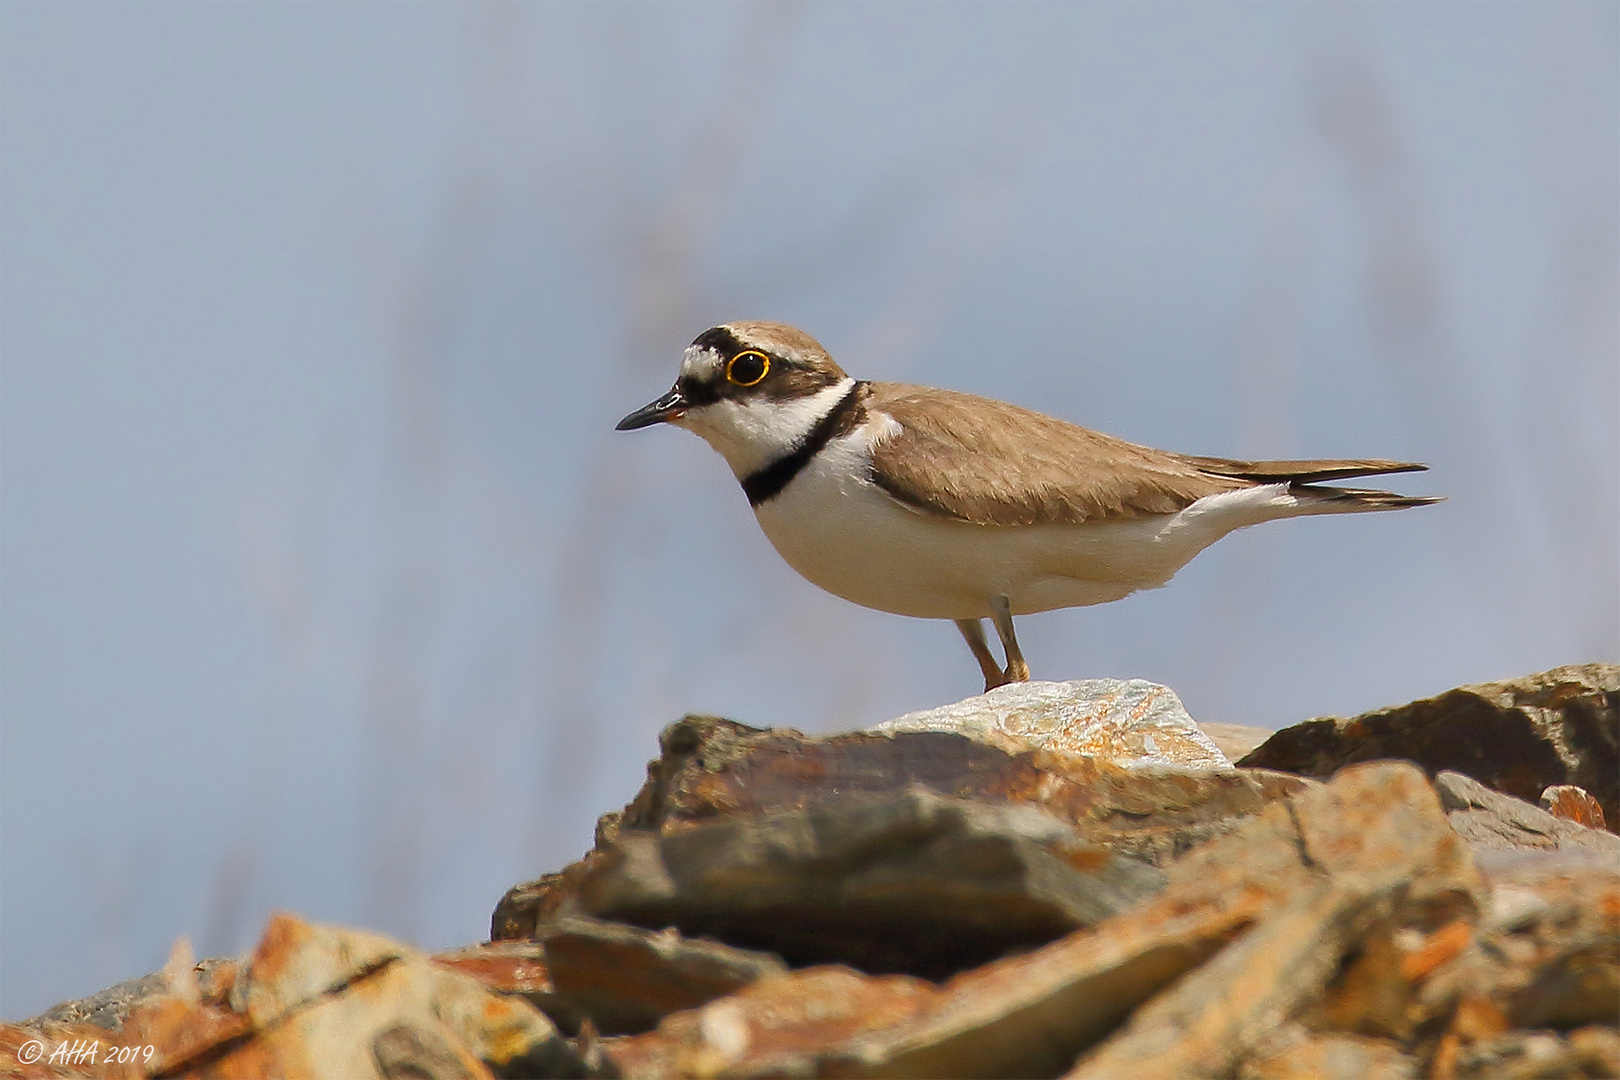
1053, 879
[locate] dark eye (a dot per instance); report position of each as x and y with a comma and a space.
747, 368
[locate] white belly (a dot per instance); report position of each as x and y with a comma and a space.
848, 536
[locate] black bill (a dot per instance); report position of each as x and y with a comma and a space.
665, 408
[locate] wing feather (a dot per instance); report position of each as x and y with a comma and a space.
991, 463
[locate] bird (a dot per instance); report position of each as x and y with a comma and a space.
942, 505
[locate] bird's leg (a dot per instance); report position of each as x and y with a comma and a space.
1001, 615
973, 630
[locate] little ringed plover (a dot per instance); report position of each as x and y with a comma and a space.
942, 505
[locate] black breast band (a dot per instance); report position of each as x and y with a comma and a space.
767, 483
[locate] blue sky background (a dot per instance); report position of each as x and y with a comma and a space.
326, 585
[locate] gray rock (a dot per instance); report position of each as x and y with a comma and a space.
911, 882
626, 978
1518, 736
1130, 722
109, 1008
1491, 821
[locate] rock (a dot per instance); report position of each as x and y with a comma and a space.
1159, 814
1546, 954
1491, 821
518, 968
1556, 961
711, 768
1031, 1015
133, 1026
775, 1027
1533, 1055
296, 961
1378, 924
507, 967
407, 1018
1520, 736
626, 978
1021, 1016
67, 1050
1235, 740
622, 978
110, 1009
410, 1052
1372, 853
1129, 722
1304, 1055
320, 1001
328, 1001
1573, 804
912, 882
526, 906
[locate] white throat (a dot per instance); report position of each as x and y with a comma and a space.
752, 434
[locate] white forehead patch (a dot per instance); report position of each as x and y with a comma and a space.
700, 365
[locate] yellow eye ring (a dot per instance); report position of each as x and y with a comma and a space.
747, 376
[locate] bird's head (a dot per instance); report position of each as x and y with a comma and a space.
752, 390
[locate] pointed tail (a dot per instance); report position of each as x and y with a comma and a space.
1349, 500
1304, 480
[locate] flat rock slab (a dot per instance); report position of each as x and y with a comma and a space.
1492, 821
776, 1027
912, 882
710, 768
507, 967
621, 978
626, 978
1519, 736
1130, 722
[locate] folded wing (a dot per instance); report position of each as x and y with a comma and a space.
990, 463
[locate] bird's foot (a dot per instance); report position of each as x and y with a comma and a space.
1016, 672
